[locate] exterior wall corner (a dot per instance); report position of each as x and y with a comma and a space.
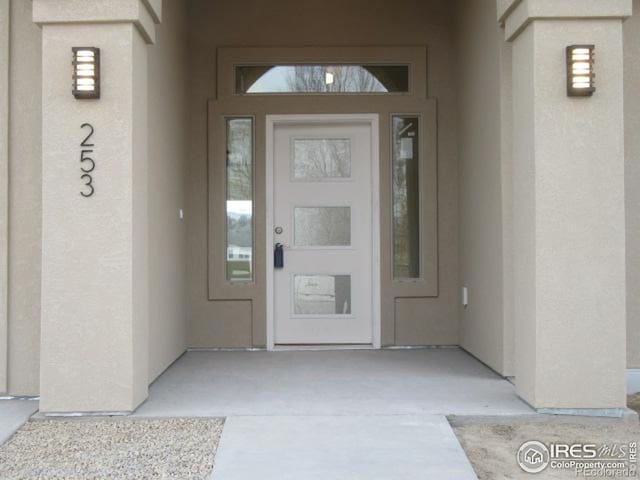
144, 14
155, 9
520, 13
504, 8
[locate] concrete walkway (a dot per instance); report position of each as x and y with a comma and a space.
358, 447
13, 414
345, 382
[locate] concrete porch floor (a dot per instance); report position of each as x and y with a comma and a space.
312, 415
441, 381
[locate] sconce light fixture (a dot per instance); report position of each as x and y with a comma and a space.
580, 70
86, 72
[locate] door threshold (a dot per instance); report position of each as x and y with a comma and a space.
356, 346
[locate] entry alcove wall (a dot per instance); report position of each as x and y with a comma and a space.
237, 319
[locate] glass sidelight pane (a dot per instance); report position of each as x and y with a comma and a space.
239, 205
322, 294
406, 197
322, 79
322, 226
321, 159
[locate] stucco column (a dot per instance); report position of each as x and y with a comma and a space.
5, 11
94, 347
569, 224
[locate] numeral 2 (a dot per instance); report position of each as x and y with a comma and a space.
84, 142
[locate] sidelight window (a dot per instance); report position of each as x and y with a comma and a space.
239, 202
406, 197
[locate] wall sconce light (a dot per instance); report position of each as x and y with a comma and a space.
580, 71
86, 72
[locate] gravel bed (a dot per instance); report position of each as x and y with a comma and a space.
112, 448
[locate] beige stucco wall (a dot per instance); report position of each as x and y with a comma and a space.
168, 118
632, 181
4, 188
25, 197
483, 67
292, 23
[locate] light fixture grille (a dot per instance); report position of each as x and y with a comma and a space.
580, 70
86, 72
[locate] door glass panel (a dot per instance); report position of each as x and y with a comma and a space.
406, 197
322, 226
316, 159
239, 205
322, 79
322, 294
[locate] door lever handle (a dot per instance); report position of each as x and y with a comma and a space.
278, 256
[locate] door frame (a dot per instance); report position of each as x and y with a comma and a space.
372, 119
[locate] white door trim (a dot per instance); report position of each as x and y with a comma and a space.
372, 120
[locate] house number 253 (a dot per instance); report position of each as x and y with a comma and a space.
87, 164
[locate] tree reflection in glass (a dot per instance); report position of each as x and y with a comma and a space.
332, 79
317, 159
239, 205
322, 226
406, 197
336, 78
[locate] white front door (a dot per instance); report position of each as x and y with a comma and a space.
322, 215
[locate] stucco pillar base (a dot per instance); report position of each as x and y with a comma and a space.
94, 335
624, 413
569, 224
